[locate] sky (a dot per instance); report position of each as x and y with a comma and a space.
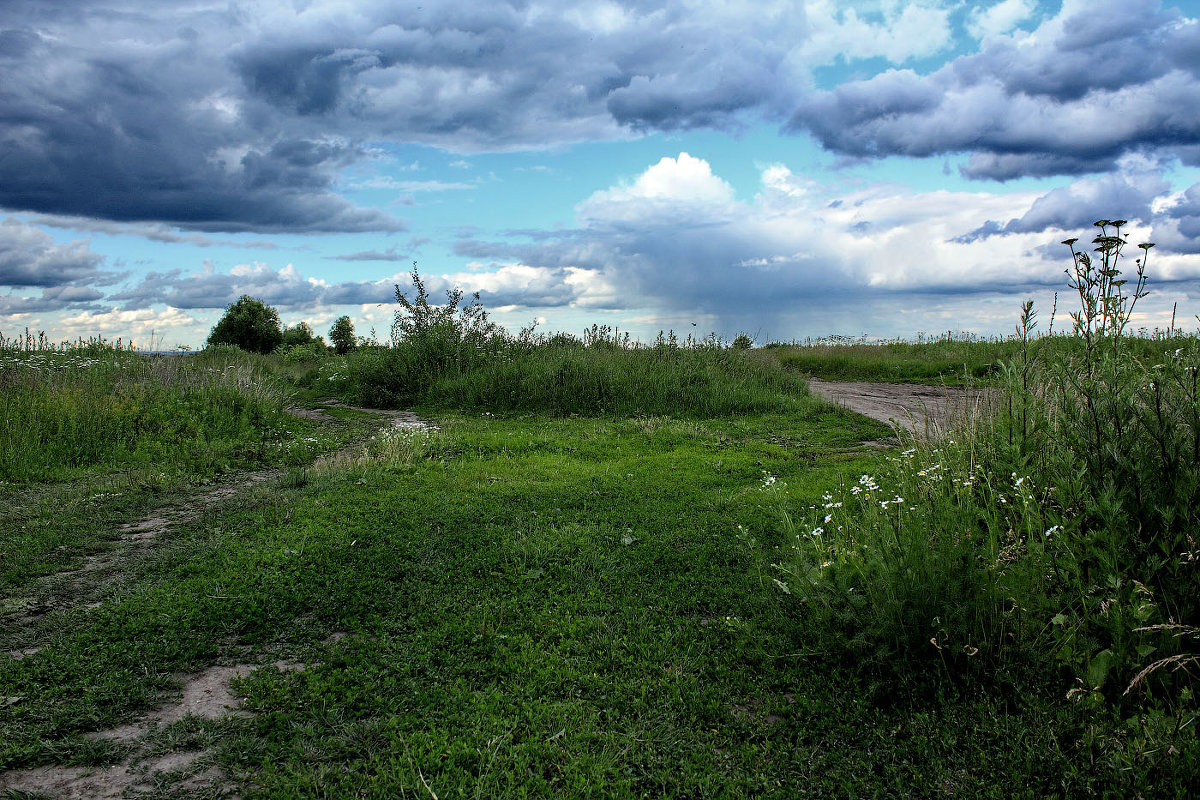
780, 169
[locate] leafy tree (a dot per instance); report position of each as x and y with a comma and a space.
342, 335
301, 334
249, 324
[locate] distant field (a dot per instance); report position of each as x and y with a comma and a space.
948, 361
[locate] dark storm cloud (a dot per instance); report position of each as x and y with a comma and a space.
240, 118
549, 290
554, 249
128, 117
304, 80
502, 76
1100, 81
1181, 230
72, 294
211, 289
359, 293
710, 270
54, 298
30, 257
1077, 206
154, 232
1007, 166
704, 94
16, 43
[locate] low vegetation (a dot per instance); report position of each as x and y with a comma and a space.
1054, 538
93, 405
613, 569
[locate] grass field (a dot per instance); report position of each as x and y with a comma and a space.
944, 361
535, 599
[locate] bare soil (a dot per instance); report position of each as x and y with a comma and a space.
206, 695
110, 783
927, 412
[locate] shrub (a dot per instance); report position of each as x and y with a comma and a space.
452, 356
419, 322
429, 343
249, 324
1059, 533
301, 353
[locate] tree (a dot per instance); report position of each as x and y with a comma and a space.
249, 324
341, 335
301, 334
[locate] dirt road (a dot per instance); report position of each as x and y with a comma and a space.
927, 411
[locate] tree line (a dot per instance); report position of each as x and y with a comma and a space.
254, 326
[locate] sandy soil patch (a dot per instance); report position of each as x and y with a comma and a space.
109, 783
926, 411
206, 694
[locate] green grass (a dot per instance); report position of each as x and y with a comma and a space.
95, 434
947, 361
554, 596
540, 606
567, 378
74, 412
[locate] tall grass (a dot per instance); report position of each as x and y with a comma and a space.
948, 360
944, 361
1057, 535
68, 408
452, 357
573, 379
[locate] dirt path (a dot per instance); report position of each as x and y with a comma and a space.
87, 585
926, 411
206, 695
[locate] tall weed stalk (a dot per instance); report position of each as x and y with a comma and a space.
1058, 535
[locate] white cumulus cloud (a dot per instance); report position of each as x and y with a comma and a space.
998, 19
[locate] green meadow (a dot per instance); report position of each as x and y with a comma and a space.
603, 570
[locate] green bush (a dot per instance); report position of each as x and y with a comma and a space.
451, 356
625, 381
249, 324
301, 353
1058, 534
300, 334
